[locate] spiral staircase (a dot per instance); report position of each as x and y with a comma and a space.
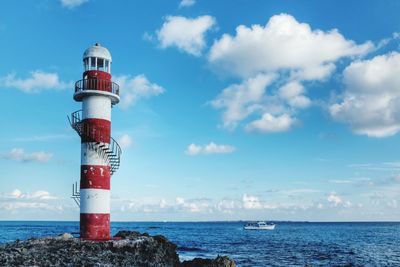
110, 152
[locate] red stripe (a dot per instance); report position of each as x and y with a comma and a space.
97, 80
95, 176
95, 226
90, 74
96, 130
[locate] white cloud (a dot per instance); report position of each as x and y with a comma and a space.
193, 149
371, 101
12, 206
392, 203
163, 203
194, 205
279, 55
145, 205
211, 148
307, 202
134, 88
251, 202
293, 92
179, 200
341, 181
185, 33
38, 81
384, 42
147, 36
16, 193
125, 141
38, 195
19, 154
271, 124
228, 205
334, 199
42, 195
241, 100
283, 43
29, 201
72, 3
187, 3
347, 204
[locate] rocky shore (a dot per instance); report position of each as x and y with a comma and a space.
130, 248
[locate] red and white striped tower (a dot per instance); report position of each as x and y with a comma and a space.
100, 154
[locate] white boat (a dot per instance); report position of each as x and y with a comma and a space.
259, 226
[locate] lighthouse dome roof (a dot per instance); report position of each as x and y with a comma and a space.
97, 51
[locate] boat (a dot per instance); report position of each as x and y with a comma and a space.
260, 226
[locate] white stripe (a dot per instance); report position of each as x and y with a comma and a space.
95, 201
96, 107
91, 156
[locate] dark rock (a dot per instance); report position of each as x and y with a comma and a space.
128, 234
220, 261
130, 249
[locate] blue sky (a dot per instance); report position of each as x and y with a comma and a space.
281, 110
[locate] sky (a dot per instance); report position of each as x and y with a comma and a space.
230, 110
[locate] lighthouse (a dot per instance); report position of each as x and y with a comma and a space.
100, 153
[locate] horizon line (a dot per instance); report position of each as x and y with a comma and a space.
215, 221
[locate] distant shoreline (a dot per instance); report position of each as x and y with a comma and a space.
233, 221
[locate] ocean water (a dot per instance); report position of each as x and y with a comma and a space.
290, 244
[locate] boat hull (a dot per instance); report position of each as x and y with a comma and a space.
267, 227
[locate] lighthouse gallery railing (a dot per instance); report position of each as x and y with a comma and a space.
97, 84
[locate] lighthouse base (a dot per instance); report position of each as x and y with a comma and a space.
95, 226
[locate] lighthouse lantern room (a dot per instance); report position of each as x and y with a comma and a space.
100, 153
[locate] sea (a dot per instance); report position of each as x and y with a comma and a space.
290, 244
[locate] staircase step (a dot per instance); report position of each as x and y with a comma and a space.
111, 151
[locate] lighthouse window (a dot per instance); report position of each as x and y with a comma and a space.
92, 63
86, 64
100, 64
106, 65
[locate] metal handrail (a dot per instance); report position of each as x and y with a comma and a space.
76, 194
97, 84
112, 150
